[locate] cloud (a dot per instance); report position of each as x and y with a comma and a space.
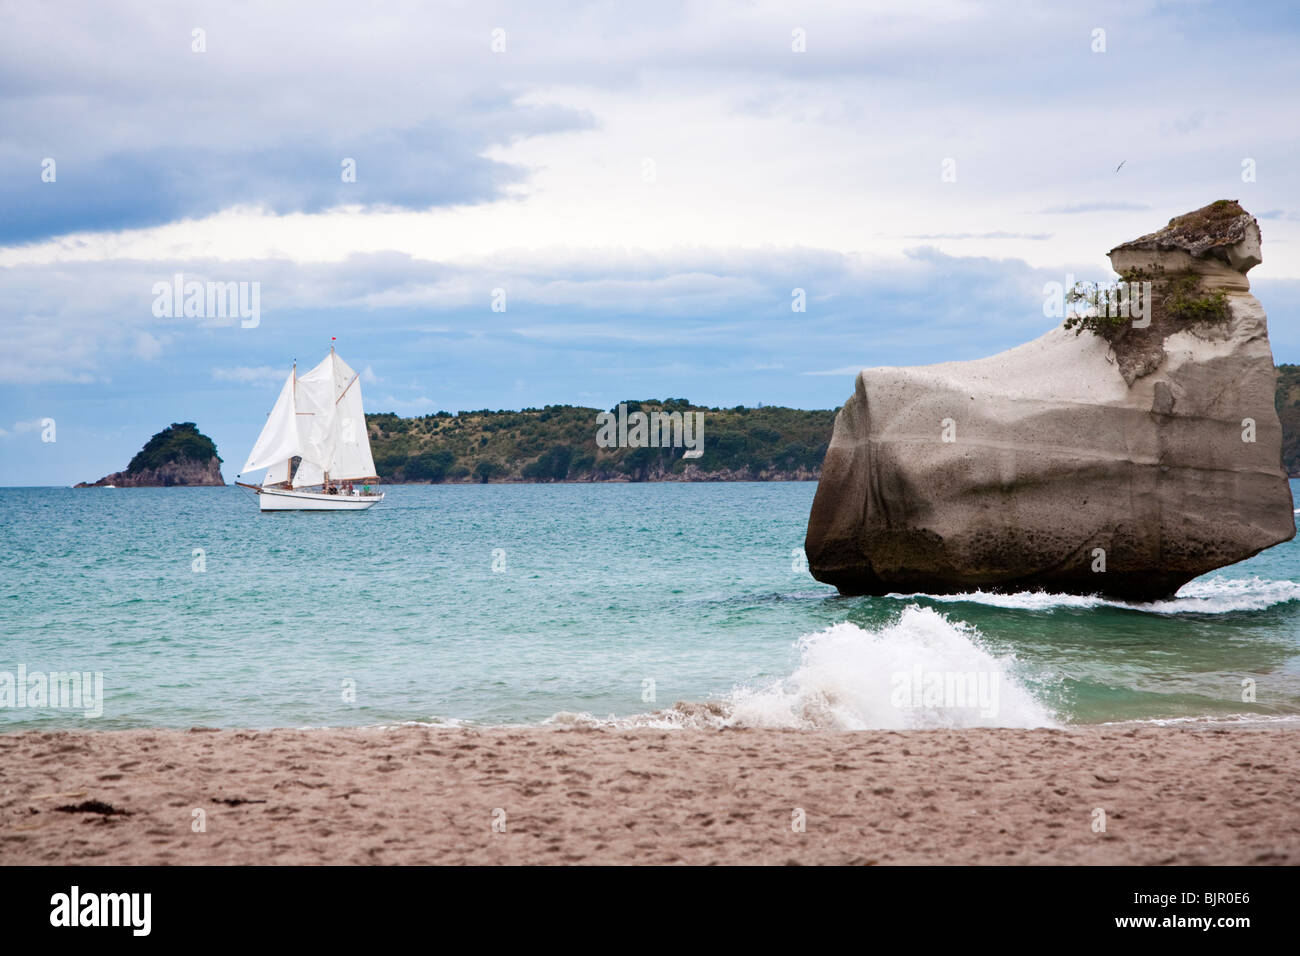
266, 116
262, 374
147, 347
21, 428
93, 320
1035, 236
1071, 209
460, 149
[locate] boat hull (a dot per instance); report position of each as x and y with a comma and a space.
283, 499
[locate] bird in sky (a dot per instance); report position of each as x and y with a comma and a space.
1121, 165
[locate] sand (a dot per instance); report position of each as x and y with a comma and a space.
1203, 795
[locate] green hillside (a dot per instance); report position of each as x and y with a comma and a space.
558, 443
1288, 409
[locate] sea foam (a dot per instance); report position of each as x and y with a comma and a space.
852, 678
1202, 596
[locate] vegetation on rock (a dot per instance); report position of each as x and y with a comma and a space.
178, 441
1176, 299
558, 443
1176, 302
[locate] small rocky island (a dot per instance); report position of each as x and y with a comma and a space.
1110, 456
178, 456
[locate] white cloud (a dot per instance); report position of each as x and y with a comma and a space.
755, 146
21, 428
262, 374
147, 347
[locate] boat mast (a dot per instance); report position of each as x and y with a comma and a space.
288, 468
326, 486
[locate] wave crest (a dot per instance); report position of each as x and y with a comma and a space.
920, 671
1202, 596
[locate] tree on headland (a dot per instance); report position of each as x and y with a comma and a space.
558, 443
178, 441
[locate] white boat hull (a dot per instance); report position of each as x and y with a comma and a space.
284, 499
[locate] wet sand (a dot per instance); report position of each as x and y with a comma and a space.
1188, 795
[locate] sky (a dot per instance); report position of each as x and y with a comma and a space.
507, 205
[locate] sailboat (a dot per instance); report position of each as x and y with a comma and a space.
318, 422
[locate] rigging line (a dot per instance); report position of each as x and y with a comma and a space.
345, 391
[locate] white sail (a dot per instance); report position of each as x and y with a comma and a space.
316, 395
279, 439
352, 458
337, 439
277, 473
308, 473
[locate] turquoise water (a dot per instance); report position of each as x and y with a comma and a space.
599, 589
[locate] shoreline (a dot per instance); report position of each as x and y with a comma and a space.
1202, 794
698, 720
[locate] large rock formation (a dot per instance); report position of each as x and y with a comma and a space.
178, 455
1106, 460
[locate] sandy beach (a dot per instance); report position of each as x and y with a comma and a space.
412, 795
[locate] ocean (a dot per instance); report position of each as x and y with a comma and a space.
579, 603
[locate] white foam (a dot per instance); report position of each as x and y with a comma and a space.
1224, 595
433, 723
1017, 600
678, 718
850, 678
1208, 719
1202, 596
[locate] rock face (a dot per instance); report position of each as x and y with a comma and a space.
174, 473
1058, 466
179, 455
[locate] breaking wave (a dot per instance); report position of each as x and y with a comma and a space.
920, 671
1202, 596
